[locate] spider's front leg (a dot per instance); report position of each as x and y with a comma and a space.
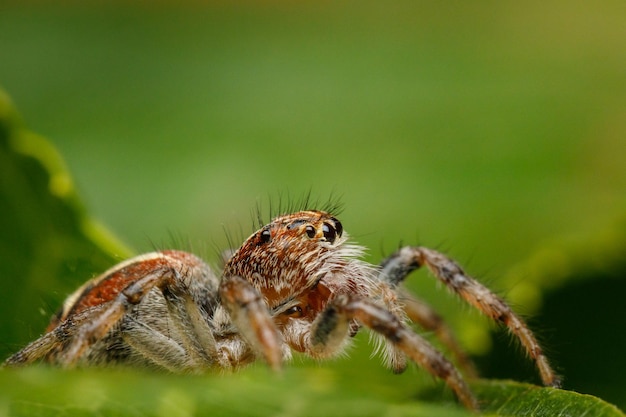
401, 263
418, 311
332, 326
393, 271
252, 318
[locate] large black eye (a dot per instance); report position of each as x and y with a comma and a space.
338, 227
266, 236
329, 232
310, 231
295, 311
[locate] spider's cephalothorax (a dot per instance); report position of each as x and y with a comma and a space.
291, 254
297, 263
295, 284
298, 254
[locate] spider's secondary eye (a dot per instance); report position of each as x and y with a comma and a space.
329, 232
310, 231
295, 311
266, 236
338, 227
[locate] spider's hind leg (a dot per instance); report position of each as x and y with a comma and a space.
52, 342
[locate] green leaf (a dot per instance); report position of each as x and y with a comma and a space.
49, 243
507, 398
257, 392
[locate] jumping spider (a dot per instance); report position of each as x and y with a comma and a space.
295, 284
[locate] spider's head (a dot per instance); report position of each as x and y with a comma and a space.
294, 254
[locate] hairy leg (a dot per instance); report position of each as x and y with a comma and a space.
394, 272
333, 325
196, 337
113, 311
450, 273
154, 346
52, 341
427, 318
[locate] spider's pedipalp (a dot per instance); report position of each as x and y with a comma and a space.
249, 312
452, 275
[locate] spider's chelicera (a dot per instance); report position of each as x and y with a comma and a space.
297, 284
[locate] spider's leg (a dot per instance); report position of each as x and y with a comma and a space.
329, 332
418, 311
49, 342
114, 310
192, 348
394, 271
196, 336
476, 294
343, 308
35, 350
154, 345
250, 314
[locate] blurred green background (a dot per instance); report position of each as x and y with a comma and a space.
494, 131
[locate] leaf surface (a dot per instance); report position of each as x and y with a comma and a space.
257, 392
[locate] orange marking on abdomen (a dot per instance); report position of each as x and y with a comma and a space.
109, 287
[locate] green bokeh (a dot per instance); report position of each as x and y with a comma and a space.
488, 127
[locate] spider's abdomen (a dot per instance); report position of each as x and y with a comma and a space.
107, 286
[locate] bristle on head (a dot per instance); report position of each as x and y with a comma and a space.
286, 203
